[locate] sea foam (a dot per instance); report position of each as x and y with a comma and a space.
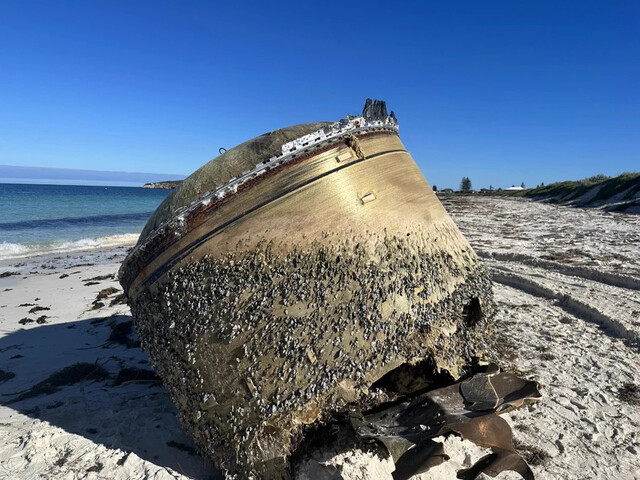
20, 250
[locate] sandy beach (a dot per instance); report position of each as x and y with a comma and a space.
110, 419
78, 398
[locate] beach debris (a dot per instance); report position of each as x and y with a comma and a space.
120, 299
102, 294
79, 265
121, 333
182, 447
468, 408
97, 467
532, 455
105, 292
5, 375
38, 308
64, 457
9, 274
629, 393
78, 372
136, 375
99, 278
276, 285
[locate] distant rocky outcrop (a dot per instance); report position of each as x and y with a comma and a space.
167, 185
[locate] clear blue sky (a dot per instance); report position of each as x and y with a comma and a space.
500, 91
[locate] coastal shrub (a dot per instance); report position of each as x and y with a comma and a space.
601, 177
619, 184
561, 192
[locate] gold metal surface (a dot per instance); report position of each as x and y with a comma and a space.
289, 300
320, 199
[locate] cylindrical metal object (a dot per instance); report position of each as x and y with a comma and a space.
267, 305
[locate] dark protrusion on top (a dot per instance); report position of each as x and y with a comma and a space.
393, 116
374, 110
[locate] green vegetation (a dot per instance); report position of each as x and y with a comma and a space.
598, 190
465, 184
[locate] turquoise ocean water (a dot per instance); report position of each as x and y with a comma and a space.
52, 218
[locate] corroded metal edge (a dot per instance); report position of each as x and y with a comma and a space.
186, 219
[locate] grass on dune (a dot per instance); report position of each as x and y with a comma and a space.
572, 189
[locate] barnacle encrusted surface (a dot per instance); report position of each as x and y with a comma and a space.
284, 300
254, 346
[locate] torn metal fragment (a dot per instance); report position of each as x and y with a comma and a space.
493, 432
479, 392
408, 426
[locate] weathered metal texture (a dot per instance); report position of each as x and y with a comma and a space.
290, 299
227, 165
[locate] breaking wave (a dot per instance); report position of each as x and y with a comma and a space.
20, 250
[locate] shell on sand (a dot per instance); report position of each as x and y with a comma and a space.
267, 309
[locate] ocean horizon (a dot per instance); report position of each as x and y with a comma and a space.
40, 218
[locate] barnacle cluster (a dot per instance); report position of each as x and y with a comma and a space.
299, 336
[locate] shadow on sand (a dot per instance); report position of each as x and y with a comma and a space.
91, 379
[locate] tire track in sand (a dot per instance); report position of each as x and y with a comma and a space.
578, 308
613, 279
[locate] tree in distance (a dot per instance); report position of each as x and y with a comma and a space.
522, 185
465, 184
435, 188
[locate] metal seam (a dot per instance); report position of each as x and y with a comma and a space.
196, 243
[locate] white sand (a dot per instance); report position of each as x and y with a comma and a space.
568, 288
570, 326
90, 430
